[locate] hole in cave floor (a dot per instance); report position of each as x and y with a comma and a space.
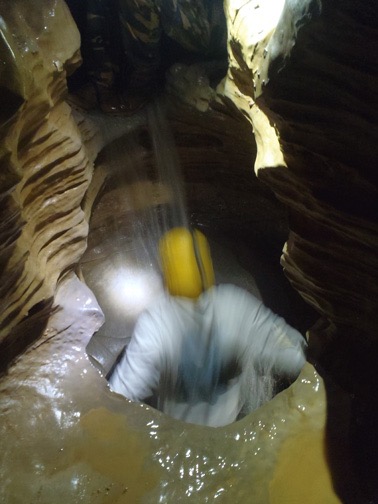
65, 437
121, 267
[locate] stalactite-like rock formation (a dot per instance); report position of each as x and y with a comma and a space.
45, 170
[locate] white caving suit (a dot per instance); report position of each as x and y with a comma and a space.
208, 360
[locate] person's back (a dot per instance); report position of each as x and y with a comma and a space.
200, 378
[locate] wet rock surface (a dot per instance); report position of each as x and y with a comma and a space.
44, 169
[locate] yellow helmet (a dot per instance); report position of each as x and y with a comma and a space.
186, 262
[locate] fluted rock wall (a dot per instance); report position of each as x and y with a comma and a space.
325, 99
45, 170
308, 86
314, 81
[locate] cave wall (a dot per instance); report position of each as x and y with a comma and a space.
309, 92
326, 118
314, 86
45, 168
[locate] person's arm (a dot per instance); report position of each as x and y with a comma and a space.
137, 374
282, 346
259, 334
292, 349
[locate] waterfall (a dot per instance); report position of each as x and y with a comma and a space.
168, 167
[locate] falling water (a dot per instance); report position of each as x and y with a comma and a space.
168, 166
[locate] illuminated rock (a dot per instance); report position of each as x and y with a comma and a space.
45, 169
308, 124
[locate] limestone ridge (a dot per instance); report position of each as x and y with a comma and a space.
45, 170
313, 109
327, 130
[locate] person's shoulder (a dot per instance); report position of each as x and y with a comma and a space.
153, 315
232, 296
231, 290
